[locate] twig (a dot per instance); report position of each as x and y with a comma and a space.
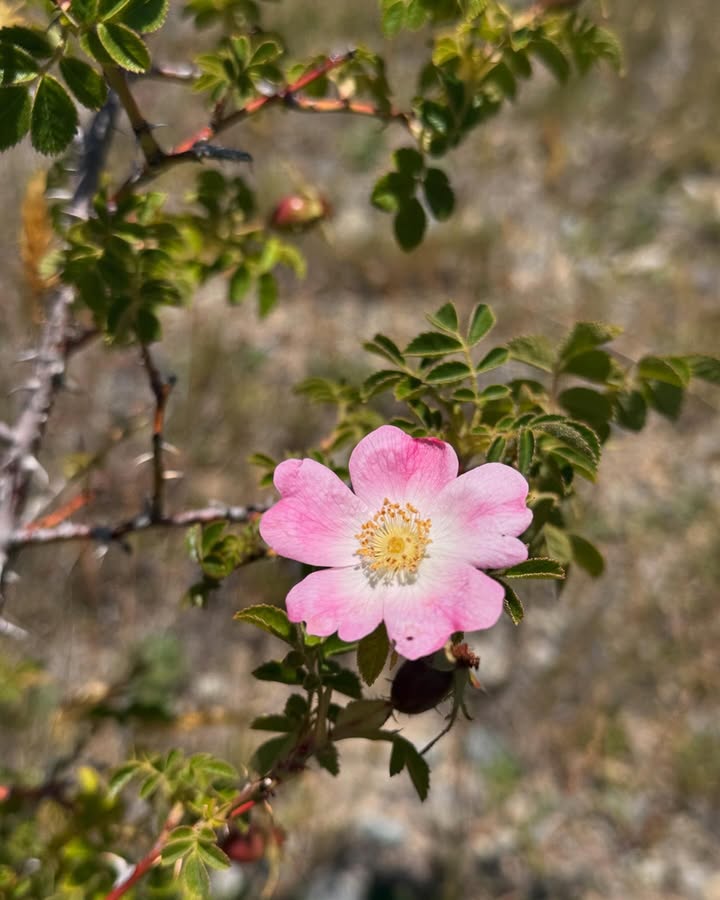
142, 129
250, 795
106, 534
161, 388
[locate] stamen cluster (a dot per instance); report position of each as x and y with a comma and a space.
394, 541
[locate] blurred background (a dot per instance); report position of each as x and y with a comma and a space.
591, 768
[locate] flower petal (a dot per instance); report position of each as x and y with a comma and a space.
447, 597
389, 463
478, 516
317, 518
341, 600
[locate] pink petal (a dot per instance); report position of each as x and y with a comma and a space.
341, 600
389, 463
478, 516
317, 518
446, 597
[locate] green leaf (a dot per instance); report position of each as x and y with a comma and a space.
526, 448
664, 398
448, 372
535, 350
513, 606
558, 543
122, 776
361, 717
16, 66
383, 346
551, 56
439, 194
408, 161
587, 336
31, 39
270, 618
108, 9
272, 751
267, 293
239, 284
445, 318
124, 46
393, 17
87, 85
195, 878
380, 381
498, 356
433, 343
176, 849
587, 405
54, 118
705, 367
585, 442
274, 722
212, 855
391, 191
409, 224
212, 767
145, 15
481, 321
372, 653
15, 108
594, 365
405, 755
631, 410
539, 567
265, 52
279, 672
670, 370
327, 756
587, 556
345, 681
496, 450
91, 44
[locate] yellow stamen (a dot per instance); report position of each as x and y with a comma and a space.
393, 542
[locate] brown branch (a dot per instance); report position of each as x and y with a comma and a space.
142, 129
161, 388
107, 534
251, 794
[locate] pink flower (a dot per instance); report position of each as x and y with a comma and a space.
405, 548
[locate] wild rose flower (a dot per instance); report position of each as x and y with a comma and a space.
405, 546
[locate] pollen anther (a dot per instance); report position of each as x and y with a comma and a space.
393, 543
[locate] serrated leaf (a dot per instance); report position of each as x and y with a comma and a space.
383, 346
122, 776
496, 450
539, 567
705, 367
439, 194
513, 606
448, 372
445, 318
587, 336
380, 381
372, 653
433, 343
481, 321
176, 848
405, 755
88, 87
54, 118
345, 681
270, 618
16, 66
14, 115
535, 350
145, 16
360, 717
498, 356
213, 856
526, 449
272, 751
587, 405
195, 878
31, 39
212, 767
552, 56
409, 224
587, 556
593, 365
124, 46
280, 672
574, 438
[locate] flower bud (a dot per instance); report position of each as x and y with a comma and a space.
417, 686
299, 212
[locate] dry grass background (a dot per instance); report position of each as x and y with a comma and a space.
592, 767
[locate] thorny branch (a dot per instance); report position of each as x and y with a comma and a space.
253, 793
161, 388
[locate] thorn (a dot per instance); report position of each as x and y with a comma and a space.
13, 631
172, 475
11, 576
143, 458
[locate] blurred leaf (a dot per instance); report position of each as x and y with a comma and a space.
587, 336
439, 194
54, 117
552, 56
194, 877
328, 757
496, 450
372, 653
671, 370
498, 356
631, 410
212, 855
535, 350
360, 717
383, 346
587, 556
705, 367
409, 224
526, 448
408, 161
664, 398
239, 284
558, 543
267, 755
273, 722
391, 191
404, 755
267, 293
587, 405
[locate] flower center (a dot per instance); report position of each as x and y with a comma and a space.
393, 542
